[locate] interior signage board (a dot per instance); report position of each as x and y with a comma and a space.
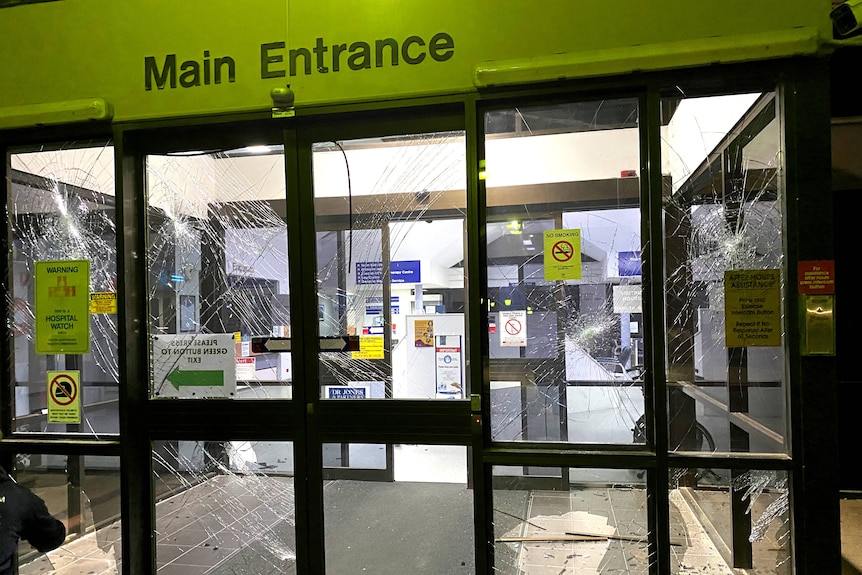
195, 365
62, 307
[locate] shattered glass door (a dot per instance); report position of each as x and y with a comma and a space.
390, 217
564, 274
218, 273
62, 305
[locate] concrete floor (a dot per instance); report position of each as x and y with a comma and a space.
851, 536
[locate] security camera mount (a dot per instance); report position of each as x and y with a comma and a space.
282, 101
847, 18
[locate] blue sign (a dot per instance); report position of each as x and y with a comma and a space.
338, 392
400, 272
629, 263
406, 272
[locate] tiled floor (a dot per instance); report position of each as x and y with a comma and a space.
244, 526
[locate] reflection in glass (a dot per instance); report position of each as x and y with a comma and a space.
723, 221
587, 524
420, 521
218, 274
84, 493
390, 215
729, 522
61, 207
224, 506
566, 333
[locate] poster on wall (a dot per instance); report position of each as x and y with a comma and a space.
423, 333
513, 328
448, 367
752, 308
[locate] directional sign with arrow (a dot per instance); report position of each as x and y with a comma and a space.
194, 365
280, 344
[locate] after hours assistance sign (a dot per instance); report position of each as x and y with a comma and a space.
752, 308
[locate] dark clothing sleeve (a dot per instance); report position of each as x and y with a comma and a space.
41, 529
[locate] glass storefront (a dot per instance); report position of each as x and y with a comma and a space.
551, 341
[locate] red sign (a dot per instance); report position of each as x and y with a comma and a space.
817, 277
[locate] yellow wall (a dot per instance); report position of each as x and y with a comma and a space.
72, 49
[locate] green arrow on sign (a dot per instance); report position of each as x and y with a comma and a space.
208, 378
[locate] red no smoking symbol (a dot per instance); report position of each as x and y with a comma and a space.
63, 390
562, 251
513, 327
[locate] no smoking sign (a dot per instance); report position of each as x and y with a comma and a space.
64, 398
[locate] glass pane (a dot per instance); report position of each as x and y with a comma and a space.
218, 273
430, 528
725, 277
730, 522
564, 272
390, 265
62, 306
84, 493
588, 524
224, 507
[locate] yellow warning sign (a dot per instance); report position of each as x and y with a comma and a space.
64, 397
370, 347
562, 254
752, 308
103, 302
62, 310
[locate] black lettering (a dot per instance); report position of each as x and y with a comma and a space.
191, 75
306, 55
360, 56
393, 50
266, 60
151, 72
231, 69
441, 47
405, 50
319, 51
337, 49
206, 67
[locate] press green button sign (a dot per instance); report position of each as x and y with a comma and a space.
62, 310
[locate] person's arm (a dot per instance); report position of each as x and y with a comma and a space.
41, 529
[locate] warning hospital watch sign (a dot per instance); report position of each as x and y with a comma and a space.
62, 307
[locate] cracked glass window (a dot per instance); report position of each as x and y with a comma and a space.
725, 276
82, 491
390, 220
565, 324
224, 507
62, 302
727, 522
594, 521
218, 273
414, 517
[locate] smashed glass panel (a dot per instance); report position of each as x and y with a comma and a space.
732, 522
565, 323
224, 507
390, 220
569, 521
62, 303
724, 252
84, 493
218, 274
418, 521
